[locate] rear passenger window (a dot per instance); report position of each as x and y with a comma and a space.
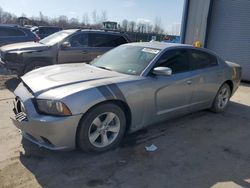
42, 31
11, 32
177, 60
117, 40
105, 40
200, 60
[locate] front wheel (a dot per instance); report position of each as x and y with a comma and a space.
102, 128
222, 98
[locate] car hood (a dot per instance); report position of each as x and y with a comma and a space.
24, 46
73, 76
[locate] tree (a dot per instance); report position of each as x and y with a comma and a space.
63, 21
74, 22
85, 19
41, 16
95, 17
149, 28
157, 26
1, 15
143, 26
125, 25
131, 26
103, 16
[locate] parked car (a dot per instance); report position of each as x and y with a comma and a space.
12, 34
44, 31
66, 46
134, 85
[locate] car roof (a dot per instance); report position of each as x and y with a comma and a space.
164, 45
53, 27
158, 45
16, 27
94, 30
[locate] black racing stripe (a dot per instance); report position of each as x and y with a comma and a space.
117, 92
105, 92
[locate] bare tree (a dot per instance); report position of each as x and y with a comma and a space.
63, 21
1, 15
125, 25
149, 28
7, 18
74, 22
41, 16
103, 16
131, 26
157, 26
85, 19
95, 17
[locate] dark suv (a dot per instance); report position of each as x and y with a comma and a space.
44, 31
66, 46
12, 34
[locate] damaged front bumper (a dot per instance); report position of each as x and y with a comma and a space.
54, 133
15, 67
51, 132
12, 61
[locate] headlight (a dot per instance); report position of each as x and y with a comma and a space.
53, 107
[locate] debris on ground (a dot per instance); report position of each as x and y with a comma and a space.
122, 162
151, 148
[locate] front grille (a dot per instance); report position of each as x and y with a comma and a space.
19, 110
21, 116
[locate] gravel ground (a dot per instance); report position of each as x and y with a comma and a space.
199, 150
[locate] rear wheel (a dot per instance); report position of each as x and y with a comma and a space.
222, 98
102, 128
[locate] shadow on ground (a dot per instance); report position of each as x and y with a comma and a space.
202, 149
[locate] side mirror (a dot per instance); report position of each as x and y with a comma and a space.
65, 45
163, 71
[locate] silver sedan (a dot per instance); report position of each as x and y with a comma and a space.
93, 105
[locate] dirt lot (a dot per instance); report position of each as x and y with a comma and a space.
199, 150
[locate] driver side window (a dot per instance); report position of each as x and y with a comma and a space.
177, 60
79, 40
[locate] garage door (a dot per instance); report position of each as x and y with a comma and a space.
229, 32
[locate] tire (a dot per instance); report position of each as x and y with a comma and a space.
105, 119
34, 65
222, 98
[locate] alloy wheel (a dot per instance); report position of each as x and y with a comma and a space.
104, 129
223, 98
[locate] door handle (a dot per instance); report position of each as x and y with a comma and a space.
189, 82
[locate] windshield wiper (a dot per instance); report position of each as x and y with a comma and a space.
106, 68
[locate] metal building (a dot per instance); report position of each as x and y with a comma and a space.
222, 26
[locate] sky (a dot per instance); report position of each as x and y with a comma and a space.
170, 11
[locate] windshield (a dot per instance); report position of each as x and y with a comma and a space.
55, 38
126, 59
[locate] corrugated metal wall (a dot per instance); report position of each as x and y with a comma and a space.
196, 21
229, 32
